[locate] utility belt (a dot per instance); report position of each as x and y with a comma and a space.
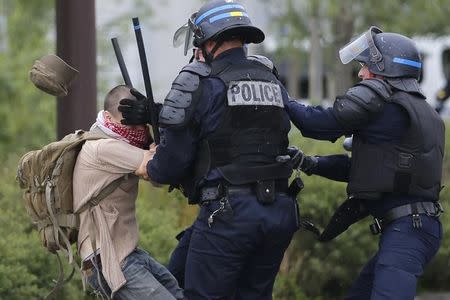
264, 190
432, 209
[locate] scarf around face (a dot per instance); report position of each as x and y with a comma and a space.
139, 137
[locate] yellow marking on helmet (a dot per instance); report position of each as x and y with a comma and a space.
236, 13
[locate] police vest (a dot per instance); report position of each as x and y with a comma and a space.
412, 166
251, 132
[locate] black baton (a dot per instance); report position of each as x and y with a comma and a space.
122, 66
147, 82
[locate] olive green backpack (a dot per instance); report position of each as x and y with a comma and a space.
45, 176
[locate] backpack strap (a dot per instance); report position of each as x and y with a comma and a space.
105, 192
49, 198
67, 249
61, 281
94, 201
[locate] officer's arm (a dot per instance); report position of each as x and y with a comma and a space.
334, 167
177, 151
361, 104
179, 120
184, 126
314, 121
174, 156
350, 112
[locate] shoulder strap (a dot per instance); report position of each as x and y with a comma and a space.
105, 192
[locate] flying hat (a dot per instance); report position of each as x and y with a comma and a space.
52, 75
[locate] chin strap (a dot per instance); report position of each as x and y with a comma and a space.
193, 56
209, 56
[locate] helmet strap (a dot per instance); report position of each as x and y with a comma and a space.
375, 55
193, 56
209, 56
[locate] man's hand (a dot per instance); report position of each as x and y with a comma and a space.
148, 155
135, 112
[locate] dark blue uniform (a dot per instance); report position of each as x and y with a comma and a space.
403, 250
239, 255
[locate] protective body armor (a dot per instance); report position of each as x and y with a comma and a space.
182, 98
411, 166
251, 132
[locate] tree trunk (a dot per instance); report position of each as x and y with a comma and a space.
75, 24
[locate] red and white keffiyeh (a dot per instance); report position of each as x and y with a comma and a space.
139, 137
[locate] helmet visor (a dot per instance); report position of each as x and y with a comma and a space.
353, 49
183, 36
363, 42
180, 35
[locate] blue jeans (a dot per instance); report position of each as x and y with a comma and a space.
403, 253
146, 279
239, 256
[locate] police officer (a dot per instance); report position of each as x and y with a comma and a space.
223, 124
394, 172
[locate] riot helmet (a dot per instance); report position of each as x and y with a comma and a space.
217, 20
385, 53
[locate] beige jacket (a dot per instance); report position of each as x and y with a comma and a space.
99, 163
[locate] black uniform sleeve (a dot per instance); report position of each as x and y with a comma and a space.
335, 167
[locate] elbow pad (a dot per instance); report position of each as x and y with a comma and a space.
179, 104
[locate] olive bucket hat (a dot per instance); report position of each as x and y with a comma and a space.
52, 75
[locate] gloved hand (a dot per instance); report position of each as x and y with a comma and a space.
298, 160
135, 112
308, 164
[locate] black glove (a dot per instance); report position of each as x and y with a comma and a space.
309, 164
298, 160
135, 112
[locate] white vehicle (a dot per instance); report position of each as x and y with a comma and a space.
436, 67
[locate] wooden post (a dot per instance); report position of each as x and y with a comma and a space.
75, 32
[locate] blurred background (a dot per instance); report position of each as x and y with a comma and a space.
302, 37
